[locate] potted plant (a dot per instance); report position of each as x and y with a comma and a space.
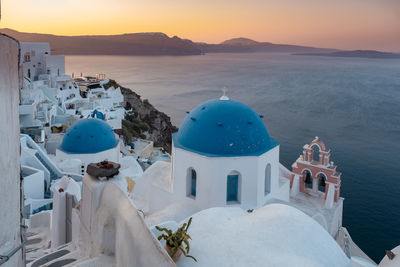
175, 241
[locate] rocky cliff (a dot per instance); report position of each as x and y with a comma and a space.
145, 121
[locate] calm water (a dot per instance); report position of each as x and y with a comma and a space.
353, 105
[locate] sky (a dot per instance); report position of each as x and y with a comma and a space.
342, 24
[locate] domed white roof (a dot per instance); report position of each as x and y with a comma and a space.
274, 235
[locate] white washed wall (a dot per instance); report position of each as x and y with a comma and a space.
10, 236
212, 174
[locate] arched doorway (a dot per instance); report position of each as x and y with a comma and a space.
232, 187
191, 181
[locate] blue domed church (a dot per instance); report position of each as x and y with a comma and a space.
87, 141
223, 155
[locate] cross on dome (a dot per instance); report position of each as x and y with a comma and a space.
224, 96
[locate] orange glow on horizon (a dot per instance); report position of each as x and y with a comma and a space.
350, 24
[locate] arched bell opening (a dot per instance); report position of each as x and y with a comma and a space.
322, 182
307, 178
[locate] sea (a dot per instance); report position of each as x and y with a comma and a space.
352, 104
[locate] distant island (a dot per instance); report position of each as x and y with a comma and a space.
245, 45
354, 53
151, 44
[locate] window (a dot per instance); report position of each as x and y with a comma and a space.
232, 187
27, 57
267, 182
191, 181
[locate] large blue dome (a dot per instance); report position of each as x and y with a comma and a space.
223, 128
88, 136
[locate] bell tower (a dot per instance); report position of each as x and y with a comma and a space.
313, 173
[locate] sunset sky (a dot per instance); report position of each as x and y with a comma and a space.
343, 24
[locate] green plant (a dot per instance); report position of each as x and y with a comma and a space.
176, 240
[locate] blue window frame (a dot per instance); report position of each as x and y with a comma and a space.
232, 189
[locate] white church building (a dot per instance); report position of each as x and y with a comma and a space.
224, 156
87, 141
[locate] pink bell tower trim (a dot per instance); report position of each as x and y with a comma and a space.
313, 172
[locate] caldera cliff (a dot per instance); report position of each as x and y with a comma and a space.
144, 121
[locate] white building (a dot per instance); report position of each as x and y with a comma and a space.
87, 141
50, 103
33, 58
42, 73
224, 156
11, 232
49, 96
37, 61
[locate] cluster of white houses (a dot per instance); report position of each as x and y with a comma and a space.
55, 114
49, 97
224, 172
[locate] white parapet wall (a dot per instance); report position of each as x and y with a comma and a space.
10, 220
212, 173
60, 230
111, 225
134, 244
33, 182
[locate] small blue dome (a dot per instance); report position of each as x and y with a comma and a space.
224, 128
88, 136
